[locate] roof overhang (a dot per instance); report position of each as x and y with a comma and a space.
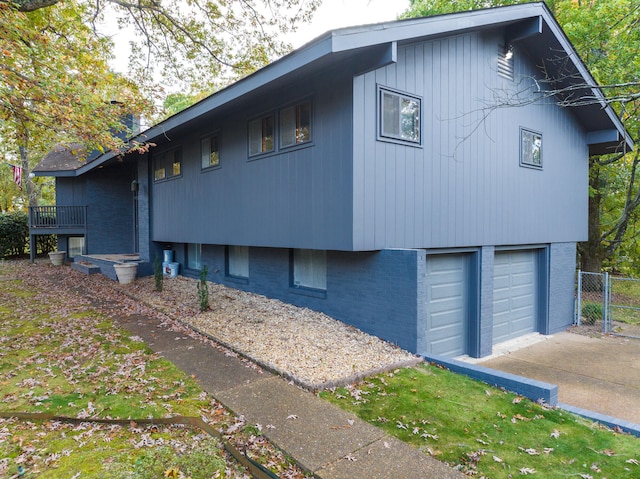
365, 48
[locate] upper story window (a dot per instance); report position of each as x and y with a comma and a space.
210, 152
295, 125
261, 132
167, 165
399, 116
530, 148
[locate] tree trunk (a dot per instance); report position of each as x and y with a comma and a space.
592, 252
31, 5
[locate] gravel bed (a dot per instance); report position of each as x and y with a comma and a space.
308, 347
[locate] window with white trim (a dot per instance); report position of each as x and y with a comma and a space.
194, 256
76, 246
399, 116
295, 125
310, 269
238, 261
261, 131
210, 152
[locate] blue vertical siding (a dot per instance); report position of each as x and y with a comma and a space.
295, 198
465, 184
107, 195
110, 210
562, 280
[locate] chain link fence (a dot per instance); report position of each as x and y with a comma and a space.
624, 307
591, 298
608, 304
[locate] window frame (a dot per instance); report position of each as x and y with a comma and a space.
311, 289
161, 162
296, 107
383, 135
198, 255
262, 119
229, 253
209, 138
527, 136
72, 250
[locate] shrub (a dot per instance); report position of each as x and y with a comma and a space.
591, 312
14, 233
158, 274
203, 289
46, 243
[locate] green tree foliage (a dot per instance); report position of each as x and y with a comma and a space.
606, 35
56, 85
14, 232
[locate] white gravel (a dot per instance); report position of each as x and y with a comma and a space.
306, 346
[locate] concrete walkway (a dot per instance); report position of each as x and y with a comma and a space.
321, 438
597, 374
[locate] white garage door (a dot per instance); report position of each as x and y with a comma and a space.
514, 295
447, 298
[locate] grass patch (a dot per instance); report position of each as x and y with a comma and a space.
60, 355
486, 431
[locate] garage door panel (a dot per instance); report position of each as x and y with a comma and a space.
446, 304
446, 320
514, 295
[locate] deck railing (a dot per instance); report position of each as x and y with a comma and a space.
56, 217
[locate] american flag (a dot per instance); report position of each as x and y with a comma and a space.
17, 175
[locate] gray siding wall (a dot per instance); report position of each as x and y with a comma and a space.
377, 292
562, 280
107, 194
485, 329
146, 249
110, 210
464, 186
301, 198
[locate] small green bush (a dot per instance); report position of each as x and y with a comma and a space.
203, 289
591, 312
14, 233
46, 243
158, 275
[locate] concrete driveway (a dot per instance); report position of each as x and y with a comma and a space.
598, 374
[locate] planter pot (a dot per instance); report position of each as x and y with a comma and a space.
57, 257
126, 272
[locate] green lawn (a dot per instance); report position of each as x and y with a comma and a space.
63, 356
485, 431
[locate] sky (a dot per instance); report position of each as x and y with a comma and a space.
348, 13
332, 14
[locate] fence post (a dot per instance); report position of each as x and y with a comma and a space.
605, 304
578, 312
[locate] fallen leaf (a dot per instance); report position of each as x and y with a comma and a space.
525, 471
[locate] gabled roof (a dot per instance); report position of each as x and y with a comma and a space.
369, 47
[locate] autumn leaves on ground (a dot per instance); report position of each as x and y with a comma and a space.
61, 354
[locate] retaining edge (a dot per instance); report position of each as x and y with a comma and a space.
535, 390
